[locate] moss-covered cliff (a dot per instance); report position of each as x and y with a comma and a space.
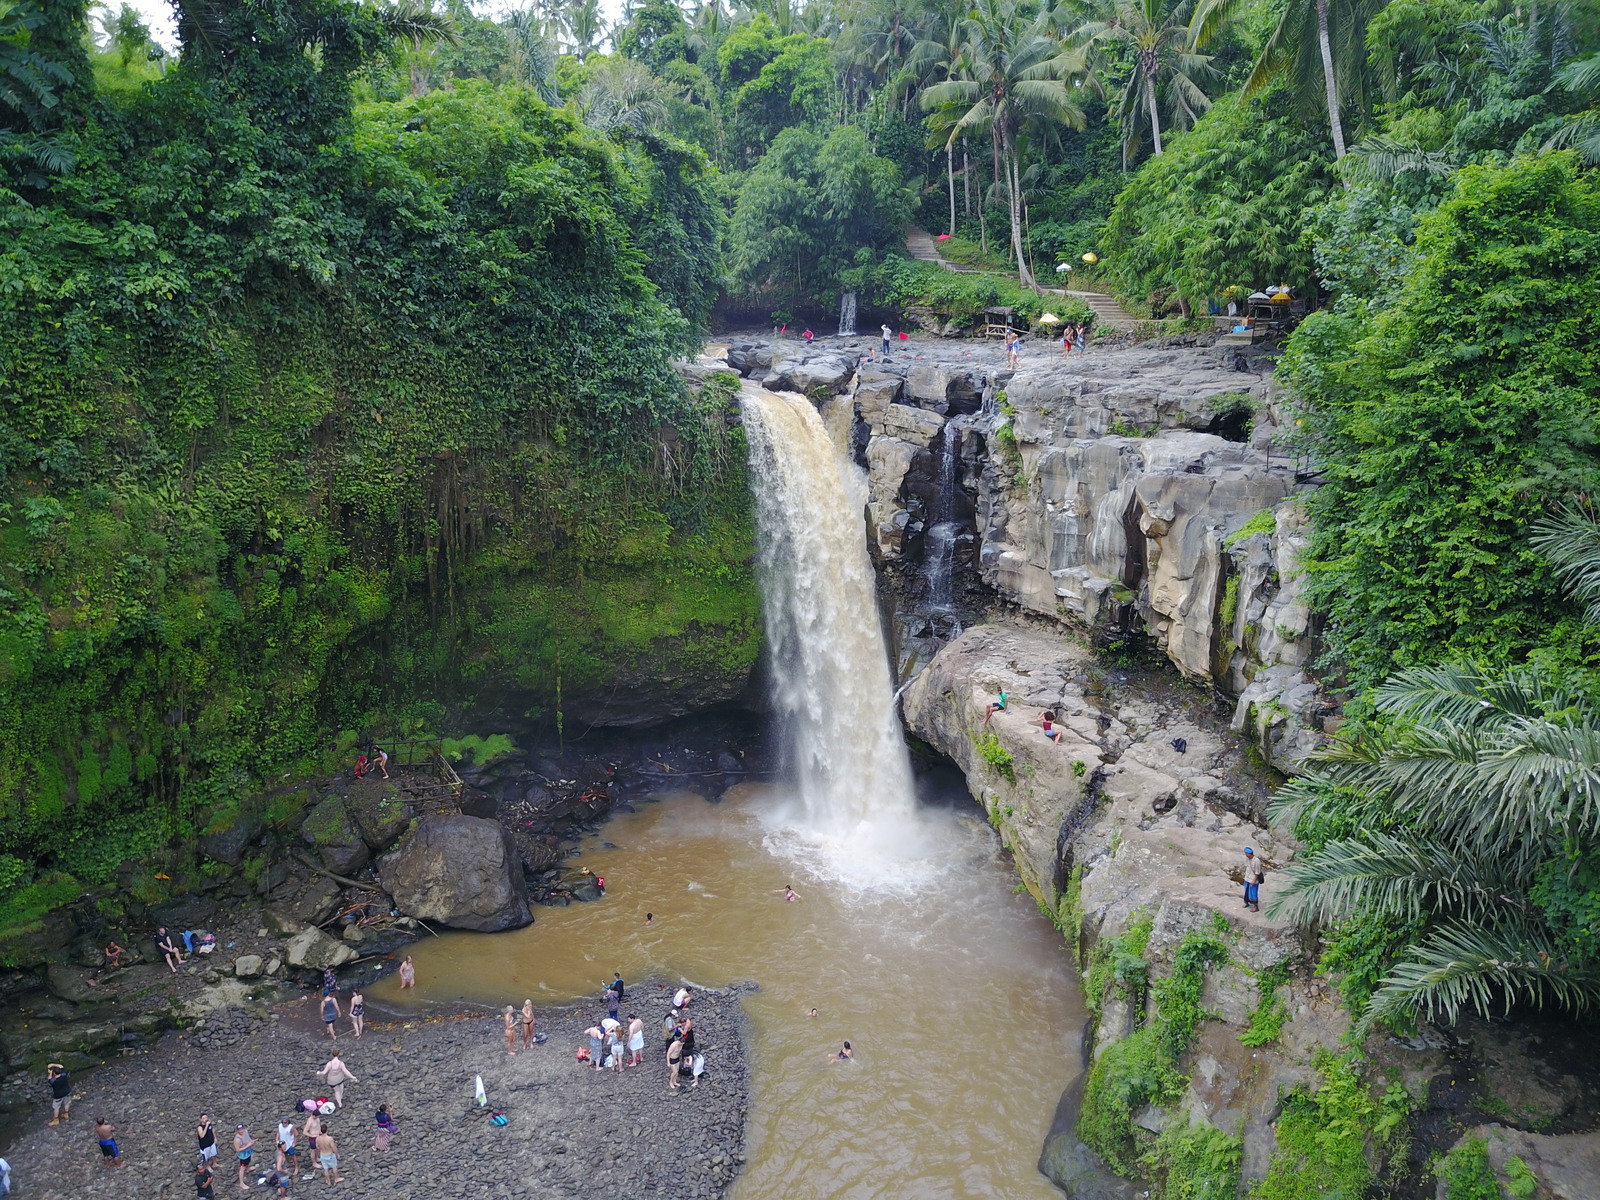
314, 419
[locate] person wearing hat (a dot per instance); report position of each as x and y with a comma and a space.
1253, 873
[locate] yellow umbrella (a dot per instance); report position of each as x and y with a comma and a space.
1049, 319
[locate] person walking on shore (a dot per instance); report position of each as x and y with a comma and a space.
674, 1058
330, 1014
527, 1023
1253, 875
635, 1039
510, 1017
206, 1136
328, 1158
244, 1149
408, 973
358, 1012
60, 1093
336, 1074
106, 1134
287, 1155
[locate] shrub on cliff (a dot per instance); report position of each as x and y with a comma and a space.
1444, 423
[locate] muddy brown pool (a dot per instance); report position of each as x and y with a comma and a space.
957, 995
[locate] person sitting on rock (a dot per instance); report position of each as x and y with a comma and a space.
168, 949
1050, 730
999, 705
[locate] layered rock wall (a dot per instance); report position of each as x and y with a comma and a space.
1138, 490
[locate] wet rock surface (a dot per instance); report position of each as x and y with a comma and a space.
570, 1131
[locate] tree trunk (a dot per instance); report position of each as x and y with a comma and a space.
966, 178
1330, 83
1155, 117
950, 174
1014, 207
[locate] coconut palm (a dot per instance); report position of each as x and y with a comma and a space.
1319, 44
1009, 72
622, 95
584, 27
1477, 789
1166, 65
531, 54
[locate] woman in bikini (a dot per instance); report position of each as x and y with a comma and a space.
358, 1009
511, 1031
527, 1023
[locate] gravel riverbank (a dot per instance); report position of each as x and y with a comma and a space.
571, 1131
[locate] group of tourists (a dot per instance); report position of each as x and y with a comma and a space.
1074, 336
614, 1046
315, 1135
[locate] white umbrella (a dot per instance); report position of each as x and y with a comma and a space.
478, 1093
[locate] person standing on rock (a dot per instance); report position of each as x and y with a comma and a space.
617, 986
106, 1134
310, 1131
511, 1031
328, 1158
358, 1012
330, 981
337, 1075
382, 756
635, 1039
203, 1176
206, 1137
60, 1093
613, 1003
408, 973
287, 1155
1253, 875
386, 1128
887, 334
527, 1023
330, 1014
244, 1148
595, 1036
674, 1059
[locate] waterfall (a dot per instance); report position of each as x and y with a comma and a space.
832, 693
944, 527
847, 315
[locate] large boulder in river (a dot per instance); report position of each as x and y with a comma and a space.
458, 871
331, 829
314, 949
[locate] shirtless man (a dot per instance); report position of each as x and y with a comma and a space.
328, 1158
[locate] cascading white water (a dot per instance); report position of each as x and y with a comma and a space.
847, 315
830, 672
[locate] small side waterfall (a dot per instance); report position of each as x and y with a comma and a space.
847, 315
830, 670
944, 525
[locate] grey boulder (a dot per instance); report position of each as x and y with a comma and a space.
314, 949
458, 871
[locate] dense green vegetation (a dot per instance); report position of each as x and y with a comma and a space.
317, 413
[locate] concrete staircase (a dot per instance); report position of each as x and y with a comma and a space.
921, 246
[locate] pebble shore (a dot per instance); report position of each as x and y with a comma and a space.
571, 1131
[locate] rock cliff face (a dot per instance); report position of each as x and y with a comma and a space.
1138, 813
1127, 491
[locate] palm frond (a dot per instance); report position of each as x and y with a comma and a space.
1379, 159
1487, 969
1571, 538
1396, 875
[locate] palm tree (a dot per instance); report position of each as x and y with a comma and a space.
531, 57
1479, 789
1157, 35
1009, 72
623, 96
584, 25
1318, 43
